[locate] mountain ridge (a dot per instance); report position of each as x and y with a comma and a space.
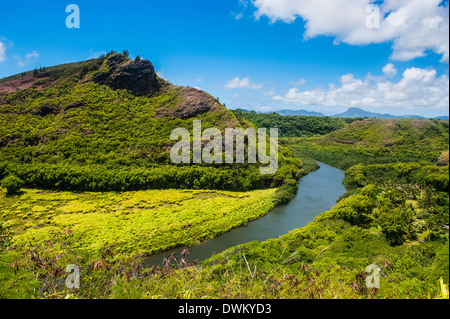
352, 112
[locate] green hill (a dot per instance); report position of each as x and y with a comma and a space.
105, 124
378, 141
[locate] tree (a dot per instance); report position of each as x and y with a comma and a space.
396, 223
12, 184
126, 53
138, 58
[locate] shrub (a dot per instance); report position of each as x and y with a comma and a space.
12, 184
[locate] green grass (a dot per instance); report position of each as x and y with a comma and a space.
132, 223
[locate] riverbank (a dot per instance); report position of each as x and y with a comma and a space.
317, 192
327, 258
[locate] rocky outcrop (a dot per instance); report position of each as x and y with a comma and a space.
137, 76
193, 103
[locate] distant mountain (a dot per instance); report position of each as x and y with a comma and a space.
357, 112
299, 112
286, 112
350, 113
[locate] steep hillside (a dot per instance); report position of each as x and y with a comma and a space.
373, 141
105, 124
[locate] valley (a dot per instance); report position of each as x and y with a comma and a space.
87, 179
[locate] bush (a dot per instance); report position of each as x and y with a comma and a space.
12, 184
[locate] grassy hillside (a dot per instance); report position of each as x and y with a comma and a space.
377, 141
105, 124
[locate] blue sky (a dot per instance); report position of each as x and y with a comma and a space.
264, 55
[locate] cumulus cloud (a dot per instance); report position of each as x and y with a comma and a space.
413, 26
389, 70
238, 83
418, 88
32, 55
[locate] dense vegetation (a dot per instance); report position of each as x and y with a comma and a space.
377, 141
326, 259
79, 160
68, 132
295, 125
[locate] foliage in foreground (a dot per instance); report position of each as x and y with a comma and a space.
325, 259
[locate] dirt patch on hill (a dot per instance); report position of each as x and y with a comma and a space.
20, 84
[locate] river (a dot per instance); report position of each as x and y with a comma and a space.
317, 193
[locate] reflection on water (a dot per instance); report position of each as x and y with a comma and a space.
317, 193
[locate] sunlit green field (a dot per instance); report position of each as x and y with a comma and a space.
131, 223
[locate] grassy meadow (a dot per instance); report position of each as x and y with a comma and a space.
131, 223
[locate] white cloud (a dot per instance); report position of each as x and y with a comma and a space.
32, 55
413, 26
2, 52
268, 93
238, 83
238, 16
299, 82
389, 70
243, 4
418, 88
28, 58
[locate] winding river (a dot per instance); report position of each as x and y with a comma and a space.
317, 193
